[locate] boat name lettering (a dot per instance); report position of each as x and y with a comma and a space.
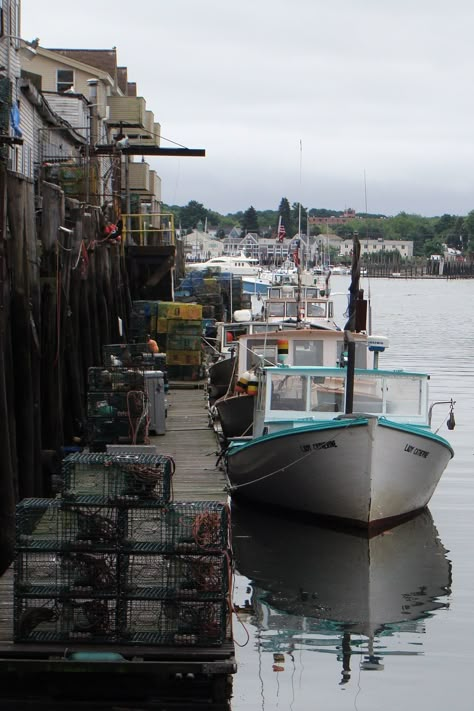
318, 445
414, 450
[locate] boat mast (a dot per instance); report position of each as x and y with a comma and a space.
351, 324
298, 248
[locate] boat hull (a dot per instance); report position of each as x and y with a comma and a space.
220, 376
367, 471
236, 415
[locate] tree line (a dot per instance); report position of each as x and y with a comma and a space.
428, 234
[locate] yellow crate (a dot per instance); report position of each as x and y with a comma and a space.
183, 357
176, 310
162, 325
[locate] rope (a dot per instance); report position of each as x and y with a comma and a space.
235, 487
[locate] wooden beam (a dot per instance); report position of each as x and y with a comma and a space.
144, 150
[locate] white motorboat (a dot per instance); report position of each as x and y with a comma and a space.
369, 467
350, 442
239, 265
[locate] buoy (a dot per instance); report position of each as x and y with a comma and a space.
282, 349
242, 382
252, 387
242, 315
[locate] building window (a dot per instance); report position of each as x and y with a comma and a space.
1, 19
65, 80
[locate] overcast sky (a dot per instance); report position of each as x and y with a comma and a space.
378, 94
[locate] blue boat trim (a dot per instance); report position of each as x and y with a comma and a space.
418, 430
313, 427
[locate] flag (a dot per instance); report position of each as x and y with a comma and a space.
281, 230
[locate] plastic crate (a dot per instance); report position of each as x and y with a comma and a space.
184, 327
174, 622
174, 576
52, 524
59, 573
118, 478
79, 619
115, 379
183, 527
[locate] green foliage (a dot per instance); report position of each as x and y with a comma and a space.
428, 234
284, 212
249, 221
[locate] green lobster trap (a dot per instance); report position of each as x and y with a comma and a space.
183, 527
157, 575
175, 623
118, 478
65, 620
53, 524
65, 573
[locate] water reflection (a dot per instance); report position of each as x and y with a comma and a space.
330, 590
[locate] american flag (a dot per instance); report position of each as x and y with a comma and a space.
281, 230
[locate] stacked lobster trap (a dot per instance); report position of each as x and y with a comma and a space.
117, 406
113, 560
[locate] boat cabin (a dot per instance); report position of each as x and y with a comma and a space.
291, 303
297, 396
300, 347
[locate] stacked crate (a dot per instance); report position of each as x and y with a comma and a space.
114, 561
182, 324
117, 406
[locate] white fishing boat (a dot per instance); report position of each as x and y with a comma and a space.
371, 466
239, 265
345, 442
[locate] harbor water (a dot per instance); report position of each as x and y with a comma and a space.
331, 620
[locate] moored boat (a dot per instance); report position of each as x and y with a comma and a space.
349, 443
369, 467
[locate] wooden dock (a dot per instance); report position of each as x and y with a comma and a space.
150, 675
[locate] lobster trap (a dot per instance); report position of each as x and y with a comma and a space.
120, 380
71, 619
184, 527
52, 524
156, 575
115, 430
174, 622
132, 405
63, 573
118, 478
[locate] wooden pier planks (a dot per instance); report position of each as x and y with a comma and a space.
193, 445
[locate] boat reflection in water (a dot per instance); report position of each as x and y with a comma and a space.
313, 587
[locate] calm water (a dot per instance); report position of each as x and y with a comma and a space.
338, 623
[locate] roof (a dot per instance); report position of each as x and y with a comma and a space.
103, 59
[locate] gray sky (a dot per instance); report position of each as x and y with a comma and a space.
372, 88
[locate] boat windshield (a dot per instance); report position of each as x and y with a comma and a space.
316, 309
399, 396
288, 392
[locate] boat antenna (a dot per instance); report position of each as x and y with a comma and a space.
298, 250
369, 303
